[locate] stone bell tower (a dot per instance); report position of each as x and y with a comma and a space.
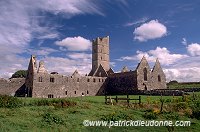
100, 55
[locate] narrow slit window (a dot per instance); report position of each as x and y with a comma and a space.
40, 79
52, 79
159, 78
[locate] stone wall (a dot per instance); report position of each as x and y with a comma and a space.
121, 83
66, 86
11, 86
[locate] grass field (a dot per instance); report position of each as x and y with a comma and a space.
32, 117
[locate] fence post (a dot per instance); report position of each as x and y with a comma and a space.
116, 99
128, 99
139, 99
105, 99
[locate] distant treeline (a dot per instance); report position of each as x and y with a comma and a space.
179, 85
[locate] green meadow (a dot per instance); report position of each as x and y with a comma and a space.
68, 114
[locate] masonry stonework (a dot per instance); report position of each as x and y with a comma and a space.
101, 79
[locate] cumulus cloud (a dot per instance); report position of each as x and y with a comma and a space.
80, 56
193, 49
21, 22
67, 66
188, 74
75, 43
163, 54
180, 67
150, 30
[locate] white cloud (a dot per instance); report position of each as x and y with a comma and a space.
163, 54
142, 20
188, 74
194, 49
184, 41
67, 66
150, 30
80, 56
10, 63
21, 22
41, 51
75, 43
180, 67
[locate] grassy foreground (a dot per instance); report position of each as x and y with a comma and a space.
38, 115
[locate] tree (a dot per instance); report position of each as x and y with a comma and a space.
20, 74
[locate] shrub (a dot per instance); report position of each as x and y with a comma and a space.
171, 116
55, 102
9, 101
150, 114
181, 106
51, 118
20, 74
195, 106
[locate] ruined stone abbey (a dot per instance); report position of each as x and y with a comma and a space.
101, 79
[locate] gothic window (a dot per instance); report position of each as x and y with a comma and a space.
52, 79
145, 74
40, 79
159, 78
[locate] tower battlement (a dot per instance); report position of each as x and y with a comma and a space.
101, 40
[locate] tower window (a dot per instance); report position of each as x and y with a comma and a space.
145, 74
94, 80
40, 79
65, 92
77, 79
99, 80
74, 92
87, 92
88, 80
52, 79
159, 78
101, 58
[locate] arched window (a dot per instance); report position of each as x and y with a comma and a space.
145, 74
159, 78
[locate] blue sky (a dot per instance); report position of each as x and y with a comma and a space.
60, 33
